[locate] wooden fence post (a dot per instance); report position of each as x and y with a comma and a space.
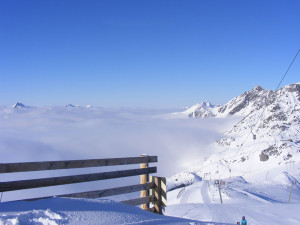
160, 193
144, 180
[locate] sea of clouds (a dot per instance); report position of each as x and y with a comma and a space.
66, 133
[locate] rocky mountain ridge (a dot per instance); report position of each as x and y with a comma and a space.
266, 136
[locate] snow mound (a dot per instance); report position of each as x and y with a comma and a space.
81, 211
45, 217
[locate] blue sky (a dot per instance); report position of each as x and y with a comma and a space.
144, 53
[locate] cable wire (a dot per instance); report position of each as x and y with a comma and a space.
265, 106
246, 202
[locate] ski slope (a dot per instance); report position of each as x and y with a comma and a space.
262, 203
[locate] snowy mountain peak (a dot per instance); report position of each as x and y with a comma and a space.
202, 110
18, 105
206, 104
271, 120
257, 88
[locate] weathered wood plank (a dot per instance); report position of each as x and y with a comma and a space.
159, 192
160, 184
72, 164
45, 182
144, 178
110, 192
139, 201
101, 193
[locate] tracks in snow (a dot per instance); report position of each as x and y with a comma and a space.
204, 192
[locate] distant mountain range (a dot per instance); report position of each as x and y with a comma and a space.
250, 100
19, 105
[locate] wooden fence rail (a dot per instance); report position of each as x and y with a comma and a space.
72, 164
157, 185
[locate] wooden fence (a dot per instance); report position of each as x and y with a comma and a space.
153, 190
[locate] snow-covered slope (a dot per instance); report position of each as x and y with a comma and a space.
266, 137
258, 163
263, 203
81, 211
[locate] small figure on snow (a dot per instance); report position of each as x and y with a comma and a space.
243, 221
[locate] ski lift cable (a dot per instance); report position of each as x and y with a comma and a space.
240, 147
251, 128
266, 105
244, 208
276, 89
288, 70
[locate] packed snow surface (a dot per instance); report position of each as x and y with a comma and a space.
81, 211
263, 202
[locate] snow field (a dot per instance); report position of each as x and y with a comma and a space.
80, 212
262, 203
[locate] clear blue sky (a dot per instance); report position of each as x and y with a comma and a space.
144, 53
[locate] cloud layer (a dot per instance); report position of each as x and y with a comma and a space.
39, 134
61, 133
